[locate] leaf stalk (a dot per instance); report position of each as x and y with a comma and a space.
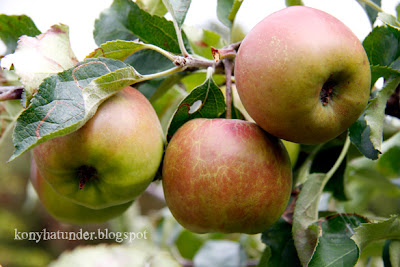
371, 4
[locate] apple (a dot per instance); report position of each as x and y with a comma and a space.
226, 176
112, 159
303, 75
67, 211
293, 150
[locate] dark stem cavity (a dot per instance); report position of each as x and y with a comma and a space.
86, 173
327, 91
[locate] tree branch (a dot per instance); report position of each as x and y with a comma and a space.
228, 64
191, 62
10, 92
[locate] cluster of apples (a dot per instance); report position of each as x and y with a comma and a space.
301, 74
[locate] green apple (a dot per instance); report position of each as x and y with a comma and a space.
67, 211
293, 150
226, 176
111, 159
303, 75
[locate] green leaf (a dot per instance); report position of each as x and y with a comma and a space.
383, 71
398, 11
178, 9
382, 46
323, 162
153, 7
221, 253
369, 189
394, 252
236, 114
389, 19
12, 27
265, 256
145, 58
39, 57
189, 243
68, 99
359, 135
124, 20
8, 78
165, 96
137, 254
375, 112
205, 101
192, 80
389, 163
371, 12
149, 61
305, 232
150, 87
165, 85
366, 133
227, 10
280, 244
119, 49
335, 248
370, 232
385, 254
294, 3
391, 253
9, 112
202, 40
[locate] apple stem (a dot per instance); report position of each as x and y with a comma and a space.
304, 170
228, 65
227, 56
339, 160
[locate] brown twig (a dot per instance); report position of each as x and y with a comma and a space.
228, 65
191, 62
227, 55
10, 92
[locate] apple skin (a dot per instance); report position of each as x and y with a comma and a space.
226, 176
302, 75
67, 211
111, 159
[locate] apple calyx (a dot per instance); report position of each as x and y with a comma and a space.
86, 173
327, 91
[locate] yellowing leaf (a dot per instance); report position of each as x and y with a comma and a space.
36, 58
